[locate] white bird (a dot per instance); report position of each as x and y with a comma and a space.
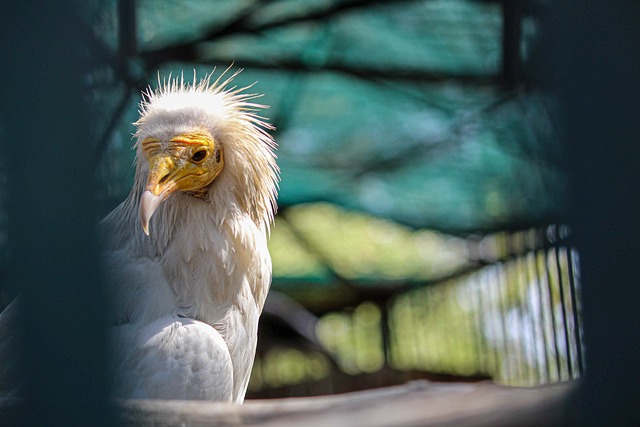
186, 251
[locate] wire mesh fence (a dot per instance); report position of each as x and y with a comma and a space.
514, 319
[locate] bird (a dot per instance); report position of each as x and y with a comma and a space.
186, 256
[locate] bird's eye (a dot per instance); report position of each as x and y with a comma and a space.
199, 156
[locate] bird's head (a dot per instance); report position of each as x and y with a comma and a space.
190, 134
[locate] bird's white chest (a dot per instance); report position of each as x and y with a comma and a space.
220, 275
217, 270
214, 271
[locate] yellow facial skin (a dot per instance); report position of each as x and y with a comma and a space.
187, 162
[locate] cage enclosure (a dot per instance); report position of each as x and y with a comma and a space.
433, 220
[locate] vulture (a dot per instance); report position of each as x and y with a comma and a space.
186, 251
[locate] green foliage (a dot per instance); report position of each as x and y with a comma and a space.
358, 247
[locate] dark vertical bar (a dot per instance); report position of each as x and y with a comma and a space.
563, 305
385, 330
575, 300
493, 298
594, 57
52, 238
127, 48
511, 40
420, 341
127, 39
552, 308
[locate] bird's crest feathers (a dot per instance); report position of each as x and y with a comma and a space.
227, 112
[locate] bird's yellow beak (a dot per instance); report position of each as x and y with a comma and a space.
190, 163
161, 183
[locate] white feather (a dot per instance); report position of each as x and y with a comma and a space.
172, 358
188, 297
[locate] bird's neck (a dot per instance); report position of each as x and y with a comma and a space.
214, 255
211, 252
218, 266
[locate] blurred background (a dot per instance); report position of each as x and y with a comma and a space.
441, 162
422, 217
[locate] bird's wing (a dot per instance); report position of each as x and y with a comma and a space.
137, 286
172, 358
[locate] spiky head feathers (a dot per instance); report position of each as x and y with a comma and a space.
250, 174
